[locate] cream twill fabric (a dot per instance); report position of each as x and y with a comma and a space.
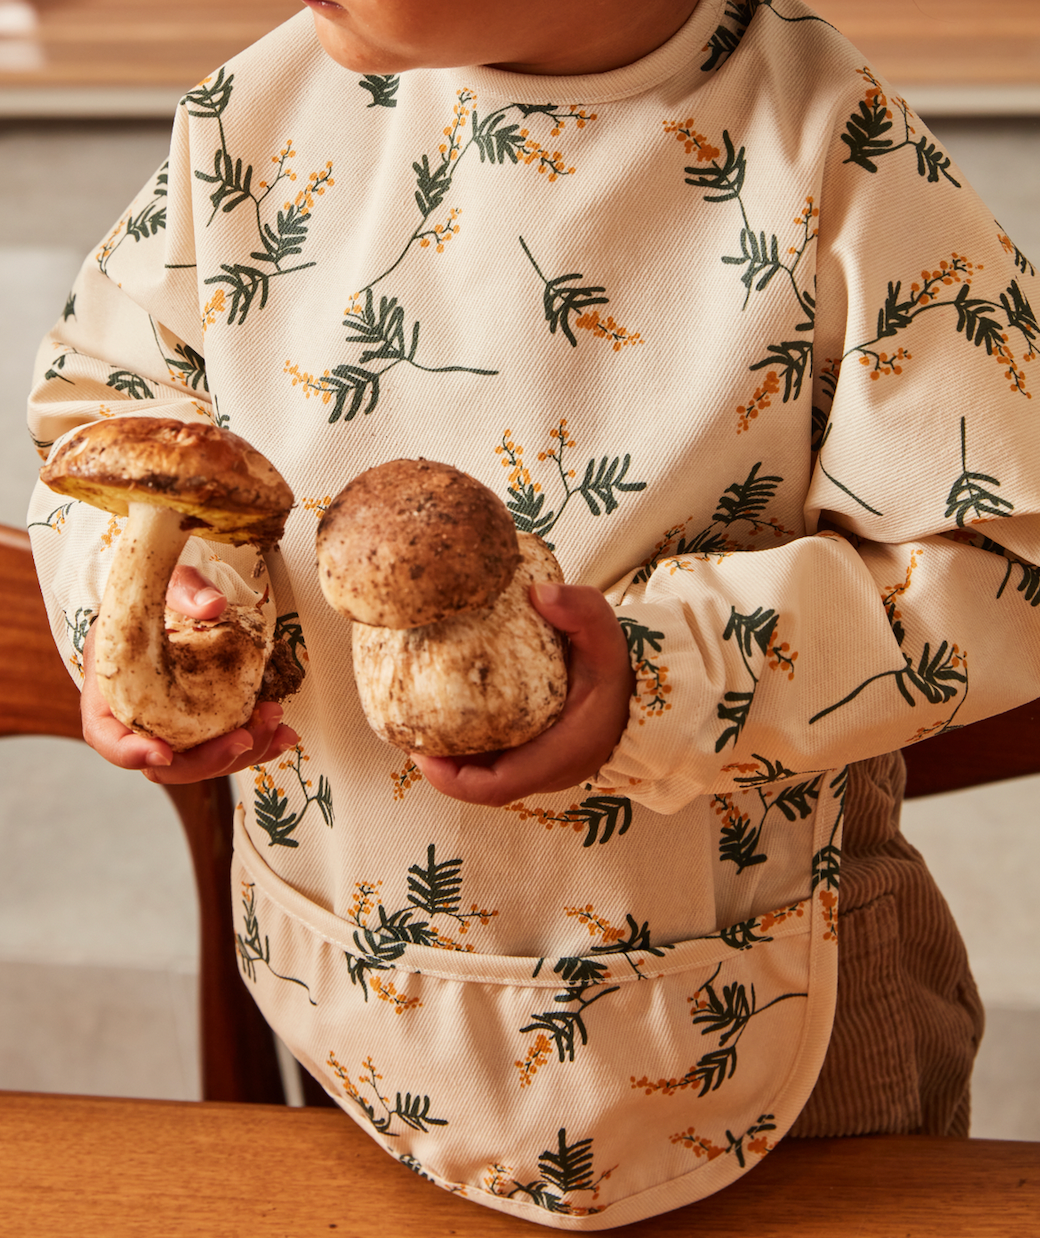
727, 329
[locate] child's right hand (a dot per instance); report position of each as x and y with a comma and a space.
262, 739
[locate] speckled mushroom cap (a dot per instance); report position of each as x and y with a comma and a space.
412, 542
228, 491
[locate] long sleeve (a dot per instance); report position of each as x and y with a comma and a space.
912, 602
128, 343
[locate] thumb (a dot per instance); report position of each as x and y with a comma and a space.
584, 615
190, 593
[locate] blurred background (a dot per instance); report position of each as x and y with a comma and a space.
98, 940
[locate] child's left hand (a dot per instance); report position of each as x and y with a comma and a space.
586, 733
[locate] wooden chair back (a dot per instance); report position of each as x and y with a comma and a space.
38, 697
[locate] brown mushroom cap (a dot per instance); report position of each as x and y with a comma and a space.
228, 491
413, 542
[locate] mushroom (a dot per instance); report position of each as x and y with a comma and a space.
179, 679
450, 655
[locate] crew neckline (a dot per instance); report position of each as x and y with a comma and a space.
683, 52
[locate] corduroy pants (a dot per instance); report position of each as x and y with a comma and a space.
908, 1019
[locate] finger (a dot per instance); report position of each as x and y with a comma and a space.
554, 761
584, 614
260, 740
106, 734
190, 593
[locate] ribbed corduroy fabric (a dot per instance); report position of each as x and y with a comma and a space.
908, 1019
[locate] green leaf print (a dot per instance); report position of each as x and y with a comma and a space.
1020, 314
936, 677
748, 630
600, 816
569, 1168
351, 387
496, 141
561, 299
253, 948
209, 100
566, 1028
759, 629
796, 802
725, 180
411, 1110
741, 502
983, 321
190, 368
793, 358
564, 1170
870, 135
431, 185
54, 520
382, 87
726, 1016
738, 842
57, 365
826, 864
772, 771
382, 332
232, 180
639, 637
1029, 581
747, 500
271, 803
867, 134
727, 37
246, 284
436, 889
286, 239
131, 384
762, 259
149, 221
70, 308
970, 492
600, 486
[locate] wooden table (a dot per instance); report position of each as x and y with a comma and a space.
80, 1167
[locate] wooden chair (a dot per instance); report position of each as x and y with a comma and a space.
239, 1061
37, 697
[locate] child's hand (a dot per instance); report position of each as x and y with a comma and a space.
262, 739
585, 734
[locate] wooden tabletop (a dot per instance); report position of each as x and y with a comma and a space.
112, 1168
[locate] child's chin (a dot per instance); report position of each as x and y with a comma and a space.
359, 58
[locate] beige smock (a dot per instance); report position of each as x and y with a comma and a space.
728, 329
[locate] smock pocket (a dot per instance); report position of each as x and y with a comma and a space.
580, 1093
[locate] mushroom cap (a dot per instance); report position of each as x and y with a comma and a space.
412, 542
226, 489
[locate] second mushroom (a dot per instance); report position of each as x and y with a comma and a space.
450, 655
179, 679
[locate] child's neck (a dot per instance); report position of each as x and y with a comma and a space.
603, 42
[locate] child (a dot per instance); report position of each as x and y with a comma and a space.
703, 301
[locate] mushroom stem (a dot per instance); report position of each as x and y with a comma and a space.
134, 606
185, 682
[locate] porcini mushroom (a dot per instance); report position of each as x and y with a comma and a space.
182, 680
450, 655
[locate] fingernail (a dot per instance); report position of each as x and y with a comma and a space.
548, 592
236, 750
158, 758
205, 596
270, 713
